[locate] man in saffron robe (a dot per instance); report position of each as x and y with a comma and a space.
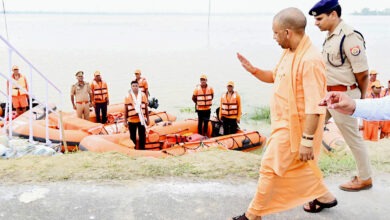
289, 175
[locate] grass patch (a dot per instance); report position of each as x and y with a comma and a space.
213, 163
336, 164
210, 164
187, 110
261, 114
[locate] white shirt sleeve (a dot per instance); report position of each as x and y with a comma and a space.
373, 109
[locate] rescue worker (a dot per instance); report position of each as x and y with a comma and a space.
376, 89
142, 82
230, 109
385, 125
100, 99
346, 71
203, 98
137, 114
373, 75
80, 96
371, 128
19, 94
386, 91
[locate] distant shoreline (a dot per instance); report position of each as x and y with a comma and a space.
360, 14
374, 13
132, 13
368, 12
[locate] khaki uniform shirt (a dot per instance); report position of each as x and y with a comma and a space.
81, 92
353, 51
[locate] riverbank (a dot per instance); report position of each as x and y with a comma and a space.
211, 164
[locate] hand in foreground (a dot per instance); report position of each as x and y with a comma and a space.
340, 102
246, 64
306, 153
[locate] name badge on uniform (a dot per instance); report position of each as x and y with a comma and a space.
355, 50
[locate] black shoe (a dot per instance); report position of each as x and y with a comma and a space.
240, 217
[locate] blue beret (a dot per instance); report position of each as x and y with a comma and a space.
323, 6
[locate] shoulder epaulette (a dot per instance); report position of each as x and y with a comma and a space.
343, 58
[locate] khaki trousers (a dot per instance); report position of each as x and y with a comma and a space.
349, 128
82, 110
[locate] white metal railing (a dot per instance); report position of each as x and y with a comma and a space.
11, 82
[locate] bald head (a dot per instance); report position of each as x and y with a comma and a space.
291, 18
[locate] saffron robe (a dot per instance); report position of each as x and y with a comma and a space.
286, 182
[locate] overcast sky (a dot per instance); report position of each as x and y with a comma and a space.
181, 6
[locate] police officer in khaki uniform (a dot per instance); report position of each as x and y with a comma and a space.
346, 71
80, 95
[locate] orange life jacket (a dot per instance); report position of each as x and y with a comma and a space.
229, 107
131, 113
22, 83
385, 125
371, 130
204, 100
100, 91
142, 84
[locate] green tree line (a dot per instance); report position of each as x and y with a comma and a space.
367, 11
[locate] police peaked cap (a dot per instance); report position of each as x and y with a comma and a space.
323, 6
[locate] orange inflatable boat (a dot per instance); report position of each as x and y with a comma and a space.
4, 120
172, 138
332, 140
75, 129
